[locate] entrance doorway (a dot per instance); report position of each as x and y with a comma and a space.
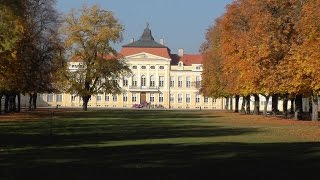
143, 98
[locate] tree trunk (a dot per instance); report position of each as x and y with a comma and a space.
265, 109
248, 104
292, 106
315, 115
236, 108
14, 105
19, 102
275, 109
85, 102
30, 101
226, 107
256, 104
34, 100
0, 104
285, 105
298, 107
243, 104
6, 103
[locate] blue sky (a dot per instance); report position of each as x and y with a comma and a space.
181, 23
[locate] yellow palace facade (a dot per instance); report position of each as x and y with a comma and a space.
159, 79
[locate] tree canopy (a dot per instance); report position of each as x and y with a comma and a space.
264, 47
89, 34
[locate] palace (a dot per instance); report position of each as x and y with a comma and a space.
159, 79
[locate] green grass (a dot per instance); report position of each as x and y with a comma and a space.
130, 144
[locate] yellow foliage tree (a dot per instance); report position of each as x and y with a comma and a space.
88, 36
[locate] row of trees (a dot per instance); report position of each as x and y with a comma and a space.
36, 44
266, 47
29, 48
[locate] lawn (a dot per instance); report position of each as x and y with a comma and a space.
134, 144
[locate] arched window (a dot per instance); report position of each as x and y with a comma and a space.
143, 80
134, 81
152, 81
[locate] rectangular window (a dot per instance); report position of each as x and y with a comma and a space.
198, 81
188, 98
151, 97
161, 97
125, 82
171, 97
134, 97
214, 100
197, 98
114, 98
107, 98
205, 99
59, 98
73, 98
50, 98
180, 81
171, 81
98, 98
161, 81
188, 83
143, 80
179, 98
125, 97
152, 81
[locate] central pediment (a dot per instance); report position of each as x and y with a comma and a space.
146, 56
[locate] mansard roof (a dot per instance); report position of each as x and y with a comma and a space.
146, 40
147, 44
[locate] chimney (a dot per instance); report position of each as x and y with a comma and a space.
131, 40
180, 52
162, 41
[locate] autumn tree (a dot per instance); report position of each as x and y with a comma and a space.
38, 48
10, 35
212, 84
305, 54
88, 37
269, 53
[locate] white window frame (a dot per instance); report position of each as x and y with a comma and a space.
161, 81
161, 97
179, 81
152, 81
180, 98
188, 81
188, 98
171, 81
151, 97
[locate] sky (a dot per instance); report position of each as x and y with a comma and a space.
181, 23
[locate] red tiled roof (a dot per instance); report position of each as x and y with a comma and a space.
163, 52
189, 59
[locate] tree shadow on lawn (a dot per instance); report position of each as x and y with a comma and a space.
92, 129
167, 161
86, 149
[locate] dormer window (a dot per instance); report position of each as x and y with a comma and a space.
180, 64
198, 68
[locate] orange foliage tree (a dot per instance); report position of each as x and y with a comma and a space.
266, 47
